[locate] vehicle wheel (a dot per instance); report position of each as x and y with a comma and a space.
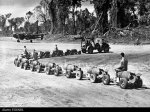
79, 75
21, 65
106, 50
106, 79
18, 40
140, 83
17, 63
93, 78
47, 70
38, 69
42, 38
31, 41
32, 68
56, 72
90, 50
123, 83
83, 50
99, 50
68, 74
25, 66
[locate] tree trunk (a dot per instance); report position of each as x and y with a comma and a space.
73, 17
114, 14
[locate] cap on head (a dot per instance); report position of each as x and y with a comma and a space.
24, 46
122, 54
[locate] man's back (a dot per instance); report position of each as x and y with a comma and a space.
35, 55
124, 64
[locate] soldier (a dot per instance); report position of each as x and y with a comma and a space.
25, 52
123, 66
35, 55
56, 48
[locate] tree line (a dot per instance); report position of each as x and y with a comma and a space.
62, 16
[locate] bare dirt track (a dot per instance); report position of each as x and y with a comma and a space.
20, 88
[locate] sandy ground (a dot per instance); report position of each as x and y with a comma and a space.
20, 88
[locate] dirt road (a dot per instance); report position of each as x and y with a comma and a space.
20, 88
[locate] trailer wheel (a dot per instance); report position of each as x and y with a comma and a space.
38, 69
68, 74
25, 66
139, 83
21, 65
56, 72
17, 63
90, 50
31, 41
32, 68
47, 70
93, 78
106, 50
106, 79
79, 75
123, 83
18, 40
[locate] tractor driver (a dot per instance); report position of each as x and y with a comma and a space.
56, 48
123, 66
35, 55
25, 52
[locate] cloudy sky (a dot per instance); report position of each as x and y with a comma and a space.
18, 8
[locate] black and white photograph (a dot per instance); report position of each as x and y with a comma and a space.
74, 53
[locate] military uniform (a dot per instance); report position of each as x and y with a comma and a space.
123, 65
35, 55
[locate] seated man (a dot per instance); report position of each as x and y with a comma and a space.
56, 48
123, 66
25, 52
35, 55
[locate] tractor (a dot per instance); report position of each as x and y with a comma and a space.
88, 45
128, 80
57, 53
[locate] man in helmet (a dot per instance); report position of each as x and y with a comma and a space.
123, 65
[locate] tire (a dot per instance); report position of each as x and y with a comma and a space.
56, 72
68, 74
18, 40
47, 70
25, 66
106, 79
98, 48
123, 83
79, 75
17, 63
32, 68
139, 83
93, 78
90, 50
106, 50
38, 69
31, 41
21, 65
83, 50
